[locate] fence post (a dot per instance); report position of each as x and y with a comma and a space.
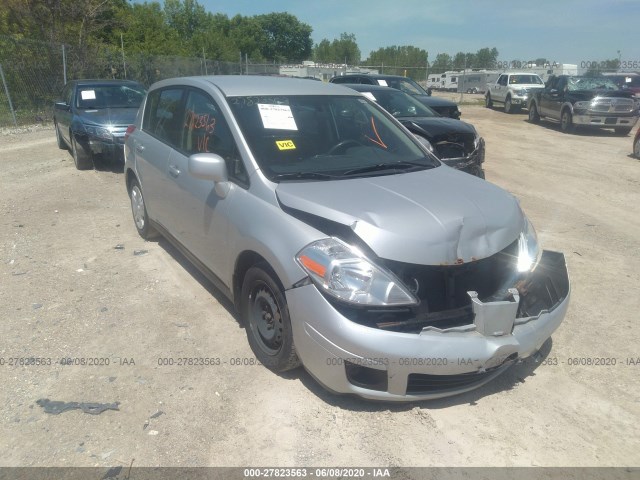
64, 64
6, 89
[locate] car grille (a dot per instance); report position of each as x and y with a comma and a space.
612, 105
454, 145
442, 291
418, 383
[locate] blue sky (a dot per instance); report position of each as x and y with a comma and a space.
563, 31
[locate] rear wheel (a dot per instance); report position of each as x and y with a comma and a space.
487, 101
81, 158
534, 116
139, 210
267, 323
566, 121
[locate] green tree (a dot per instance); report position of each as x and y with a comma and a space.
486, 58
346, 49
323, 52
286, 37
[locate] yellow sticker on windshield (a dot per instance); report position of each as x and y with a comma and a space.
285, 145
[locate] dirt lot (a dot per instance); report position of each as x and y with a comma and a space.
67, 291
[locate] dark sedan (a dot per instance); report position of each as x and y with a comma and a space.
444, 107
454, 142
92, 117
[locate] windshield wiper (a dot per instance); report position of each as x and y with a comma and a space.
303, 176
403, 166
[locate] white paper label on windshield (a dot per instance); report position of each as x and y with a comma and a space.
627, 79
369, 95
383, 83
88, 94
278, 117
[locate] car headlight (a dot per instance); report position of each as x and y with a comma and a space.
529, 251
522, 92
582, 105
96, 131
476, 139
346, 274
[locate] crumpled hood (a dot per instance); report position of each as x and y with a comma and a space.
432, 217
432, 127
108, 116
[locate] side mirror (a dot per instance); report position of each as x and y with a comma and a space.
209, 166
61, 106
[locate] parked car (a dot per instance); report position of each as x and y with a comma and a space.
454, 142
344, 244
626, 81
444, 107
92, 117
589, 101
513, 90
636, 144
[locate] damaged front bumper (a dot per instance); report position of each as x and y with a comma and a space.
347, 357
471, 163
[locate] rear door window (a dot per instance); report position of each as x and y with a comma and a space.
162, 117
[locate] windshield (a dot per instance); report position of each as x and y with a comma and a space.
109, 96
590, 83
323, 137
406, 85
525, 80
399, 104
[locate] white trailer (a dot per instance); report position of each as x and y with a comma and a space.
476, 82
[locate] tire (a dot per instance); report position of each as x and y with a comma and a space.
624, 131
508, 107
534, 116
81, 158
139, 211
636, 148
566, 121
61, 143
487, 101
266, 320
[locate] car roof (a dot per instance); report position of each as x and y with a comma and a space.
248, 85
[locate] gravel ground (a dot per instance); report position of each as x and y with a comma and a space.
77, 281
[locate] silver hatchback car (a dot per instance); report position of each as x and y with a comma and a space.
344, 244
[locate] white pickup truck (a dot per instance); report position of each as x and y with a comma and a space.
512, 90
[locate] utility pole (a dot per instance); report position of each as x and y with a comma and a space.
204, 59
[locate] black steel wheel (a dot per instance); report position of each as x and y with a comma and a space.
266, 318
487, 101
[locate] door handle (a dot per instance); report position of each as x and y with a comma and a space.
174, 171
139, 148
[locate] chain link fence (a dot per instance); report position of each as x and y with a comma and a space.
32, 73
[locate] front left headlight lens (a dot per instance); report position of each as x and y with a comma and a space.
96, 131
529, 251
346, 274
582, 105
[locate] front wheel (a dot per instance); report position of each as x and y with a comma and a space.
566, 121
636, 148
81, 158
266, 318
534, 116
623, 130
508, 107
61, 143
487, 101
